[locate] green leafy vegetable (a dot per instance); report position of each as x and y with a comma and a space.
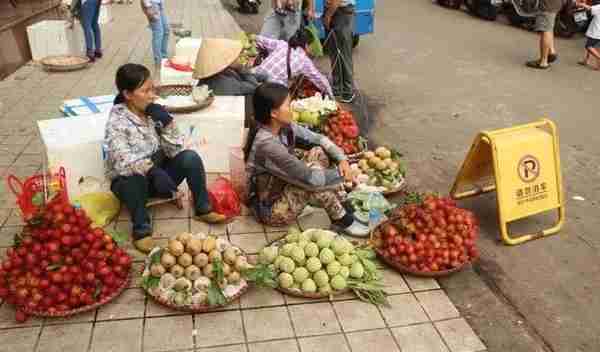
155, 257
120, 238
38, 199
261, 276
218, 273
150, 281
216, 296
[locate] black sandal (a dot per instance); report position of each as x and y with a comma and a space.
552, 58
536, 64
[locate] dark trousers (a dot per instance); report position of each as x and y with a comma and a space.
339, 47
135, 190
90, 11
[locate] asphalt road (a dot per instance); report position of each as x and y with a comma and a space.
433, 78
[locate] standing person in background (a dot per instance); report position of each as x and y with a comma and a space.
339, 24
157, 18
592, 44
88, 11
285, 18
544, 25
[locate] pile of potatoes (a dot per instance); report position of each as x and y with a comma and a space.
186, 268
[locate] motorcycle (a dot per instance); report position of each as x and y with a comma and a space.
249, 6
486, 9
569, 20
452, 4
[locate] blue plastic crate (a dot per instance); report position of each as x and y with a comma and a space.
363, 22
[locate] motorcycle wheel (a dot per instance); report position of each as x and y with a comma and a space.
471, 6
565, 26
512, 15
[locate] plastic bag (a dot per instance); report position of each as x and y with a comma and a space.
101, 207
315, 47
224, 199
369, 205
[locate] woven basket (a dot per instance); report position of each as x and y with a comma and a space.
403, 269
199, 308
83, 309
182, 90
57, 63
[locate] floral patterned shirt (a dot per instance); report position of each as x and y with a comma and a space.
130, 141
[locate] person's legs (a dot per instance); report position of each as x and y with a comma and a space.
96, 30
272, 27
546, 45
187, 165
544, 25
157, 37
86, 18
342, 25
164, 51
133, 192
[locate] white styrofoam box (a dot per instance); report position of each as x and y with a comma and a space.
87, 105
54, 37
188, 48
76, 144
212, 131
105, 14
169, 75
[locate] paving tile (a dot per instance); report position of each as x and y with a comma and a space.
130, 304
404, 310
329, 343
65, 338
314, 319
394, 283
437, 305
261, 297
199, 226
222, 328
374, 340
274, 346
170, 228
251, 243
267, 323
170, 211
14, 219
419, 338
170, 333
235, 348
7, 317
118, 336
459, 336
154, 309
217, 229
292, 300
86, 317
421, 283
318, 219
7, 235
244, 225
17, 340
358, 315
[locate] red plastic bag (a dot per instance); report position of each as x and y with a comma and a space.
224, 199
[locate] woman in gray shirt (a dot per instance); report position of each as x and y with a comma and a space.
280, 184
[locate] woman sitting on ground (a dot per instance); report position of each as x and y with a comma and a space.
145, 155
217, 67
280, 185
286, 61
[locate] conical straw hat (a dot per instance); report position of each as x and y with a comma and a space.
215, 55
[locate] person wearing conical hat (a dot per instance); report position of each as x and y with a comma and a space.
217, 67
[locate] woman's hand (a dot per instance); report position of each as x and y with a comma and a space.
345, 170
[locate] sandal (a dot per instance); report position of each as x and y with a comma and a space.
536, 64
582, 63
552, 58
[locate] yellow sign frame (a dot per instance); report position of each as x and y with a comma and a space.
480, 165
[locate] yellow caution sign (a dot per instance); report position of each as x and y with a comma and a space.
522, 164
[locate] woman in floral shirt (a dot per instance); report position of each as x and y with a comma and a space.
145, 154
282, 185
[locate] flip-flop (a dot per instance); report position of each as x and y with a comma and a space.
582, 63
536, 64
552, 58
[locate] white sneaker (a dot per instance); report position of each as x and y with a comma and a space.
356, 229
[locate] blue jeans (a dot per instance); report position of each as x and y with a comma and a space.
135, 190
90, 10
160, 34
